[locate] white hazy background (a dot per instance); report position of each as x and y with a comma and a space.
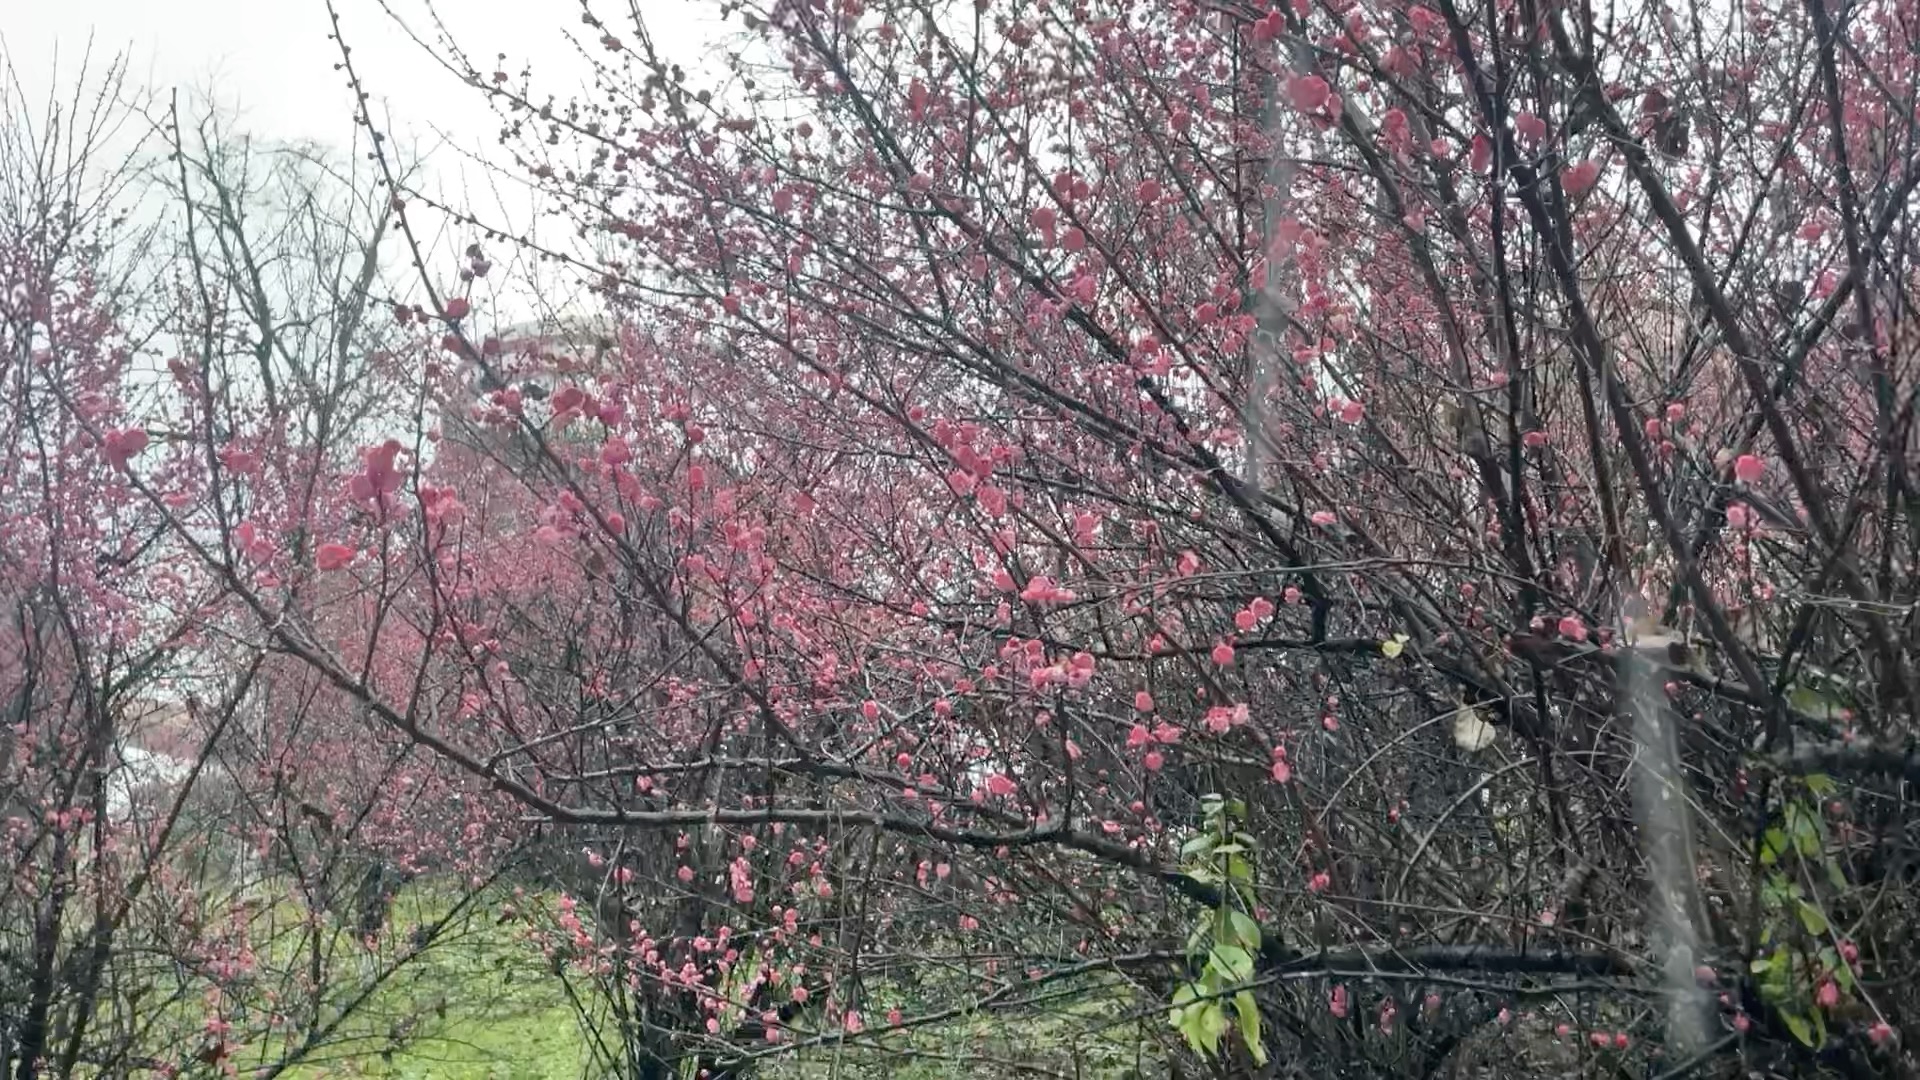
266, 70
271, 65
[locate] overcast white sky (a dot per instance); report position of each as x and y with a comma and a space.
269, 65
272, 61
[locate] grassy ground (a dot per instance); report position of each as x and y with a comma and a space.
484, 1010
478, 1005
506, 1018
482, 1004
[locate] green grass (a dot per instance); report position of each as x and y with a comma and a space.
481, 1003
484, 1009
478, 1005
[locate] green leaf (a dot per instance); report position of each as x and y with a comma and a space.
1243, 1004
1775, 890
1202, 1024
1802, 1029
1215, 1021
1836, 876
1820, 706
1777, 985
1813, 919
1234, 962
1242, 930
1776, 975
1197, 846
1819, 783
1806, 838
1772, 846
1843, 975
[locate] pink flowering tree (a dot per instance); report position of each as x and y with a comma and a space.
203, 840
1356, 532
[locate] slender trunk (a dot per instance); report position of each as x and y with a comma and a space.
40, 986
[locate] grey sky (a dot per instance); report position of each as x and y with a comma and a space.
272, 61
269, 66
